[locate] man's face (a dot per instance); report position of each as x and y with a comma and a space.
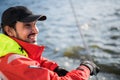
26, 31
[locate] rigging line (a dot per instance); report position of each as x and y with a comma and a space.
81, 34
79, 28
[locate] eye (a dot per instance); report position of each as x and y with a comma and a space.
28, 26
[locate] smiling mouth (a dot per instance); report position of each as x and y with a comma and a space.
32, 38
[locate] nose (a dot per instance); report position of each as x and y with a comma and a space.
35, 30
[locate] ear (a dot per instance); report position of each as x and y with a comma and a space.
9, 31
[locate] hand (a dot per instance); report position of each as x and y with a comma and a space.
94, 69
60, 71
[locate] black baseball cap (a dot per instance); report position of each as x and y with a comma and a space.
19, 13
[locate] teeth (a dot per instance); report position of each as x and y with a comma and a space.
32, 37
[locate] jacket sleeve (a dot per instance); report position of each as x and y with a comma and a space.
82, 74
46, 63
28, 69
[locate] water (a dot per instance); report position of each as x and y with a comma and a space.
99, 21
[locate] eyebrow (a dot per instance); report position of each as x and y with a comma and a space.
27, 24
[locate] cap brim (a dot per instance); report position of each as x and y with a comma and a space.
32, 18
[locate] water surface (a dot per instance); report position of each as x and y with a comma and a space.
99, 22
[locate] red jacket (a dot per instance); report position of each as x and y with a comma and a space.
35, 67
34, 52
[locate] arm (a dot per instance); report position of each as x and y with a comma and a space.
52, 66
44, 62
17, 67
21, 68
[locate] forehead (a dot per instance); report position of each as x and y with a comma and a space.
25, 23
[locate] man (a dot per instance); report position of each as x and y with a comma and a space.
20, 56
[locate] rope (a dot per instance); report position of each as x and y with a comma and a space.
81, 34
79, 28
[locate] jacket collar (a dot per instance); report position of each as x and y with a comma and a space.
33, 51
8, 45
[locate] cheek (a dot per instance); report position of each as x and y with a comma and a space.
24, 33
